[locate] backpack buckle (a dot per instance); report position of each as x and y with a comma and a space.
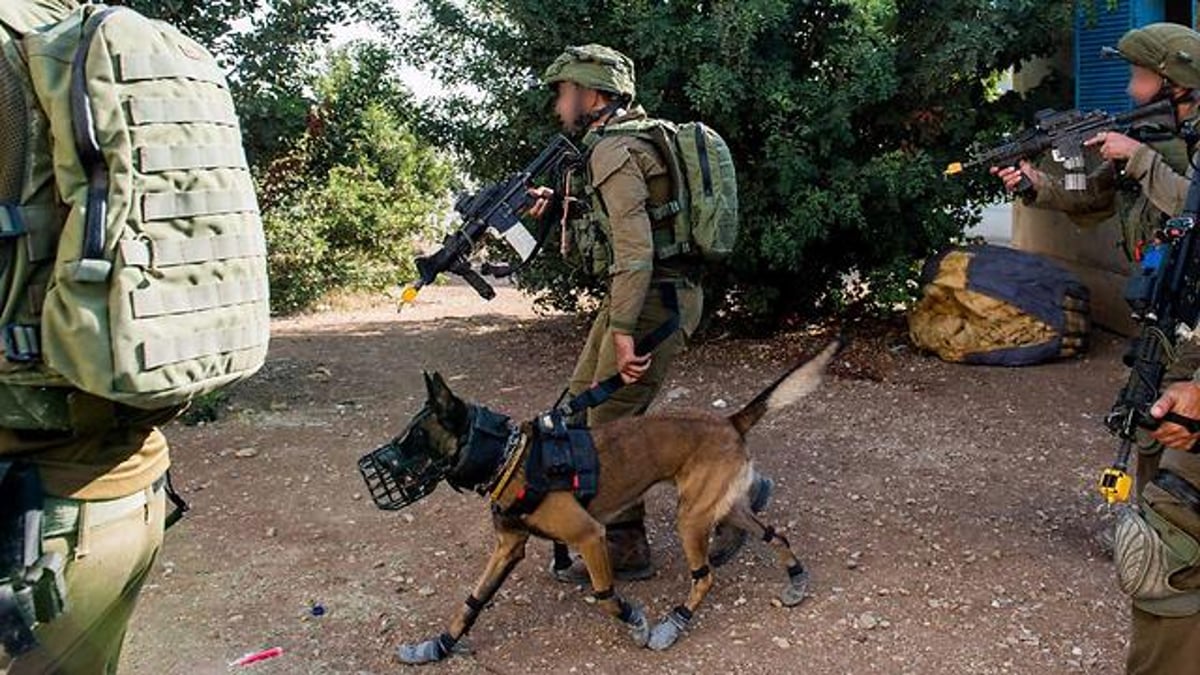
12, 225
22, 343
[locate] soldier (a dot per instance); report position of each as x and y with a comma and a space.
621, 232
1165, 595
1118, 185
1112, 188
96, 468
90, 367
1165, 62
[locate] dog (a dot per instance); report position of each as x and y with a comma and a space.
703, 454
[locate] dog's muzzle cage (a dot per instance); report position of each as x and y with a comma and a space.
405, 470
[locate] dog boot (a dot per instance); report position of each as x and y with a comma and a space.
628, 550
428, 651
667, 633
728, 539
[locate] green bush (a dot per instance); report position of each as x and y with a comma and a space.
345, 209
841, 115
352, 233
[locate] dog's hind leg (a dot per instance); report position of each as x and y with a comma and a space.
510, 550
563, 518
798, 578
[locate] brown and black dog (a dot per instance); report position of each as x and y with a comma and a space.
703, 454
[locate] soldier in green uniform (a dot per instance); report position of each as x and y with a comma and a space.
618, 228
96, 468
1118, 185
1157, 549
1166, 596
1112, 188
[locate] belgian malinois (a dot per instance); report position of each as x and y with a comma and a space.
703, 454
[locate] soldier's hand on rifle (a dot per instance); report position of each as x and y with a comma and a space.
631, 366
1012, 176
1181, 398
542, 197
1113, 146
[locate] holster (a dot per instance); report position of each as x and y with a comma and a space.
32, 584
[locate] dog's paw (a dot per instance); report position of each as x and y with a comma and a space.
667, 633
639, 626
429, 651
796, 591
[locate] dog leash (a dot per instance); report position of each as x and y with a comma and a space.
604, 390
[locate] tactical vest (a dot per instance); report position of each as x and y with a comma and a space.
1137, 215
132, 257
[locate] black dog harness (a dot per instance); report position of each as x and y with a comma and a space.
561, 458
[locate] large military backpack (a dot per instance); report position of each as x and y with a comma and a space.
991, 305
704, 203
132, 261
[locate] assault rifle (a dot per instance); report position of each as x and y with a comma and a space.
496, 207
1164, 296
1063, 133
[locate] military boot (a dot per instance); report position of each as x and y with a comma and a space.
628, 551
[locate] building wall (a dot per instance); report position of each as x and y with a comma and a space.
1092, 253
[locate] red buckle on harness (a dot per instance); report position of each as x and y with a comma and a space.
575, 483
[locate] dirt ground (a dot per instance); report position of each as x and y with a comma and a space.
946, 513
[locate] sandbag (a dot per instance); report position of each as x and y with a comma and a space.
997, 306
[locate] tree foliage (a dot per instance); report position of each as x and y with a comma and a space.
345, 185
345, 208
841, 114
271, 49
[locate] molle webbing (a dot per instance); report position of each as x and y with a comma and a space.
147, 284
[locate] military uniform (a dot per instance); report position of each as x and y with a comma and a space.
104, 513
618, 232
1157, 549
625, 177
101, 466
1167, 644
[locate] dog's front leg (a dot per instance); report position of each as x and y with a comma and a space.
510, 550
694, 526
563, 518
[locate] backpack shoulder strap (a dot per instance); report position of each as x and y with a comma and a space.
661, 135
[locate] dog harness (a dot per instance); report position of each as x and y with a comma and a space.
559, 458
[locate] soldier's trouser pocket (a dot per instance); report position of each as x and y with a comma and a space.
111, 547
1148, 551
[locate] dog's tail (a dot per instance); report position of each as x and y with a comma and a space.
800, 381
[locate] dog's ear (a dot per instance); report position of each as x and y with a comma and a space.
445, 404
429, 388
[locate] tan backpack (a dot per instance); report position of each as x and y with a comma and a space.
132, 256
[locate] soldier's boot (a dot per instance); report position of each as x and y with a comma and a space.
628, 549
728, 539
